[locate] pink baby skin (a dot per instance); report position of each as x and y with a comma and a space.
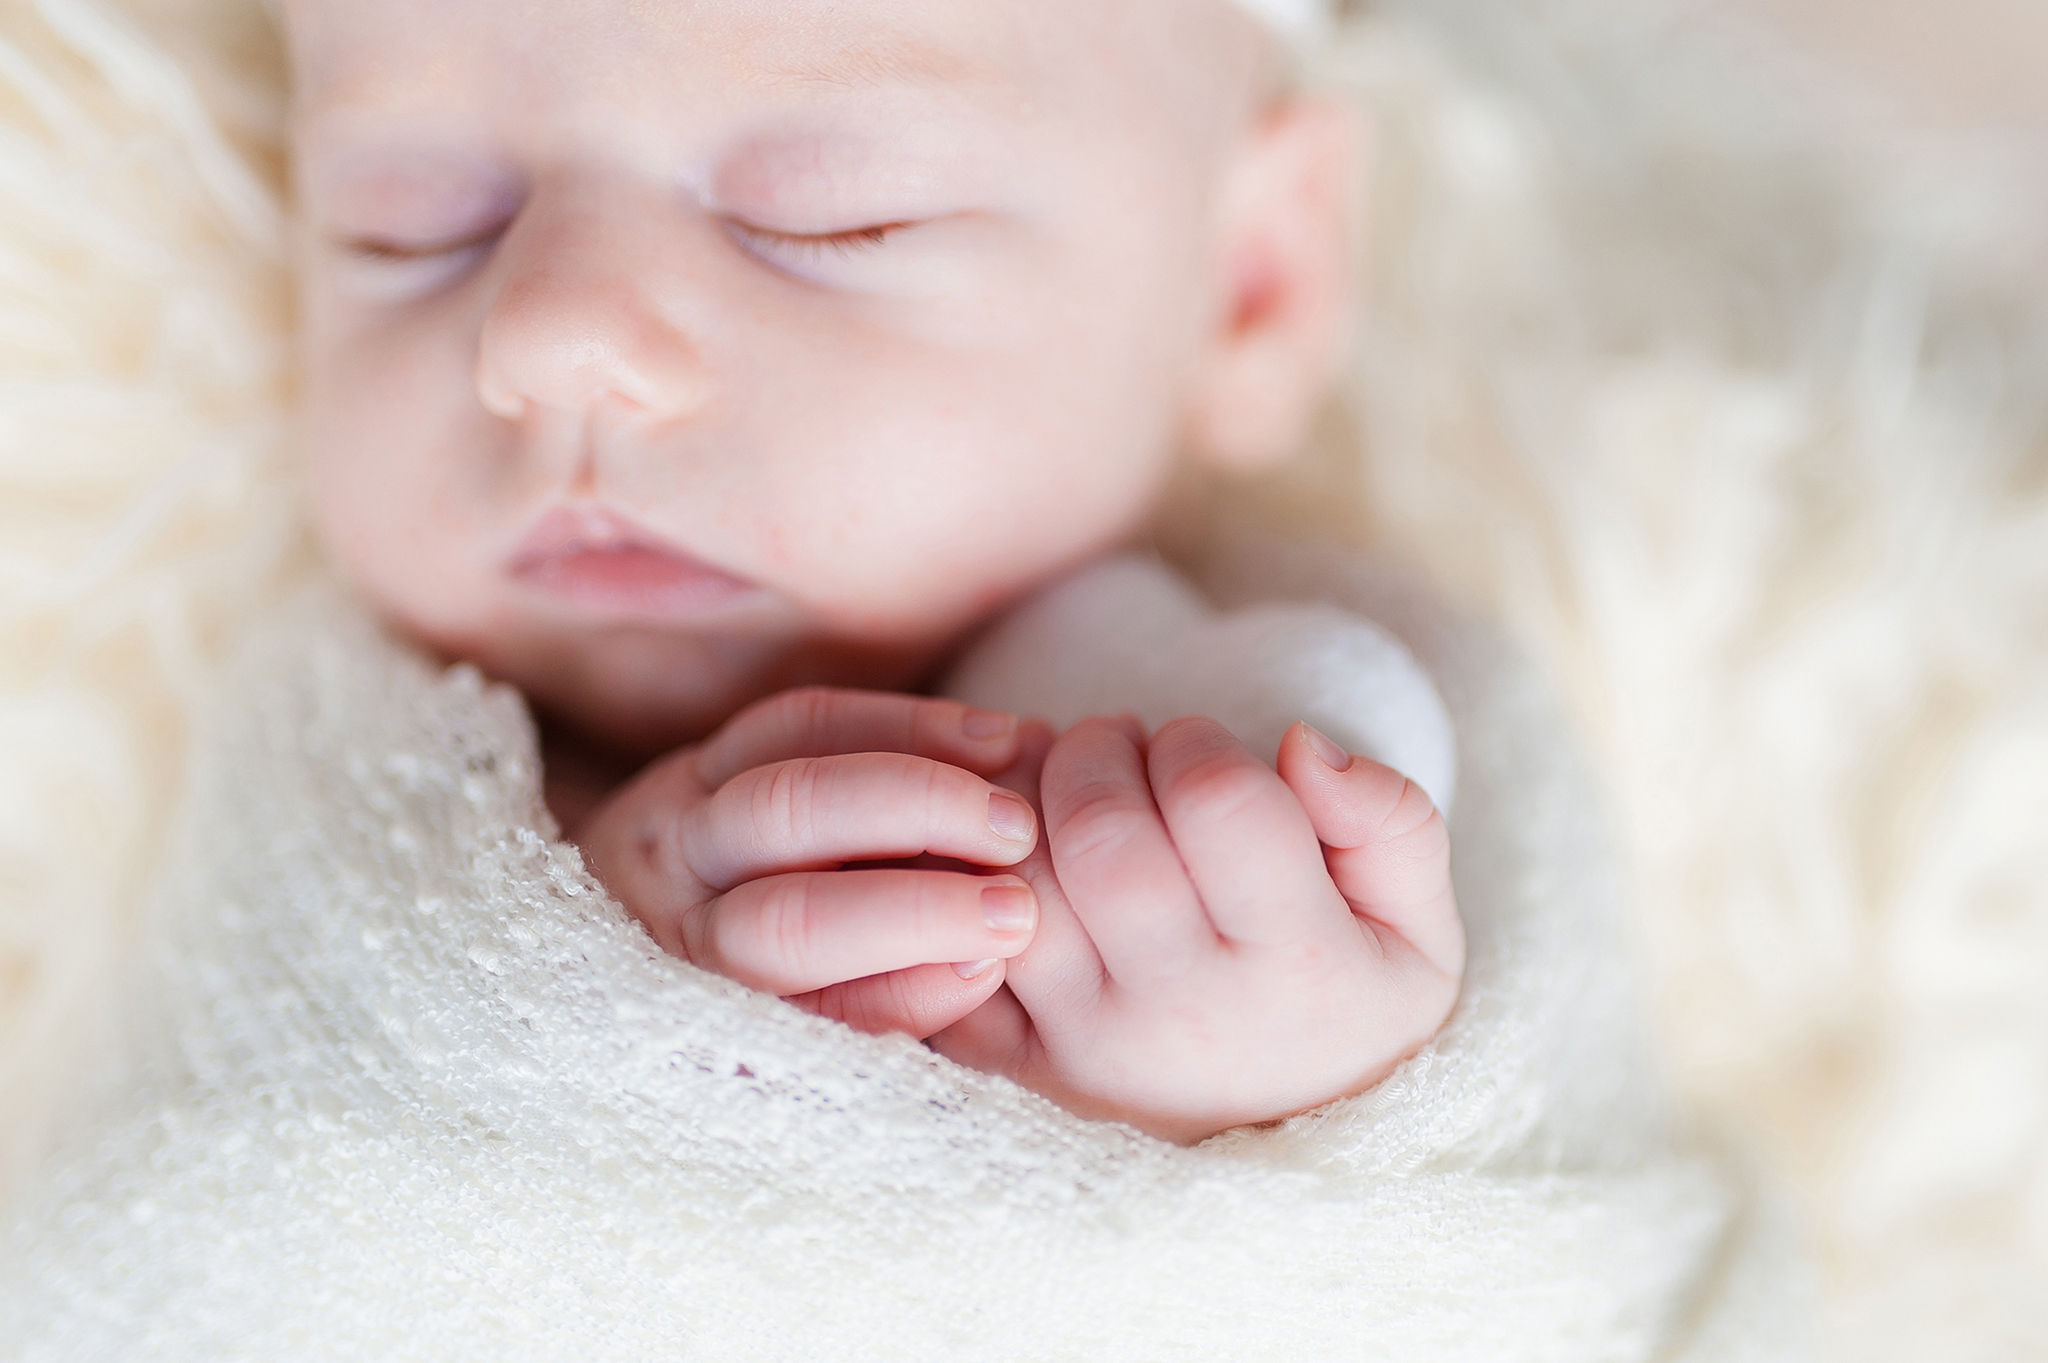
710, 369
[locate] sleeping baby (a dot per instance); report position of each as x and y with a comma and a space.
761, 396
784, 353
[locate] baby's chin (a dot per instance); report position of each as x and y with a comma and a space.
635, 694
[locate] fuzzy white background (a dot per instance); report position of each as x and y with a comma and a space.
1741, 423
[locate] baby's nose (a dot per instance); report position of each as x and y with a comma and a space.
578, 320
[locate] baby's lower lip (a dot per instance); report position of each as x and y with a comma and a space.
632, 581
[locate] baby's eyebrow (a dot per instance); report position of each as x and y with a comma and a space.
909, 63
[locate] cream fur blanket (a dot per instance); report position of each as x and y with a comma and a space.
410, 1086
1739, 422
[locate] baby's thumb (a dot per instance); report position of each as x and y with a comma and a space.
920, 999
994, 1038
1385, 843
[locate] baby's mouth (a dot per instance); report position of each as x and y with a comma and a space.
598, 560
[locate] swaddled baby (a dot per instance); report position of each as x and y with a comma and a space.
764, 392
684, 364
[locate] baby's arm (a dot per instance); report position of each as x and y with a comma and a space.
1220, 944
731, 853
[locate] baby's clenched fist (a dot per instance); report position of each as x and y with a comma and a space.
1220, 944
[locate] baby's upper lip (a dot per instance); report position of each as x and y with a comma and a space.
599, 559
577, 529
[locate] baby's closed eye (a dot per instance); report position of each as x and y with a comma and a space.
400, 221
809, 254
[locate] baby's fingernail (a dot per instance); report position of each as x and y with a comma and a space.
986, 723
968, 970
1009, 907
1333, 757
1011, 817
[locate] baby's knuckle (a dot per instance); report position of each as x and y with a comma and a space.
928, 722
844, 1003
1197, 731
926, 783
1100, 820
1413, 809
1215, 786
783, 923
831, 1002
650, 861
943, 789
883, 1005
809, 709
696, 934
1192, 741
786, 804
1414, 825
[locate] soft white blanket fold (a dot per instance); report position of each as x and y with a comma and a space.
407, 1085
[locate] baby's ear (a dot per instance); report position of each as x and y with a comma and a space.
1282, 306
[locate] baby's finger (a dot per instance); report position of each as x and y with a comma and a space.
1062, 963
1034, 741
1386, 845
920, 1000
818, 721
792, 934
818, 812
1114, 860
1250, 850
995, 1038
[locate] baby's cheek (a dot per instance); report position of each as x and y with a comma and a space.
954, 542
388, 536
409, 488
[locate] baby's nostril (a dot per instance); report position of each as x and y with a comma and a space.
498, 397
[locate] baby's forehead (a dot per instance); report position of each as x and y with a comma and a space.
341, 46
680, 83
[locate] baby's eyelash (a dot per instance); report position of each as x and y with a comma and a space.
809, 245
813, 246
382, 251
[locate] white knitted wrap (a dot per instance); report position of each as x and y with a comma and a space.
411, 1087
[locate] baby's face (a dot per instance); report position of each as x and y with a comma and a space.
664, 353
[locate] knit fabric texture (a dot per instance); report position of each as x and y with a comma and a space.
406, 1084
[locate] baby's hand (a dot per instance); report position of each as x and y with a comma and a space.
731, 854
1220, 944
